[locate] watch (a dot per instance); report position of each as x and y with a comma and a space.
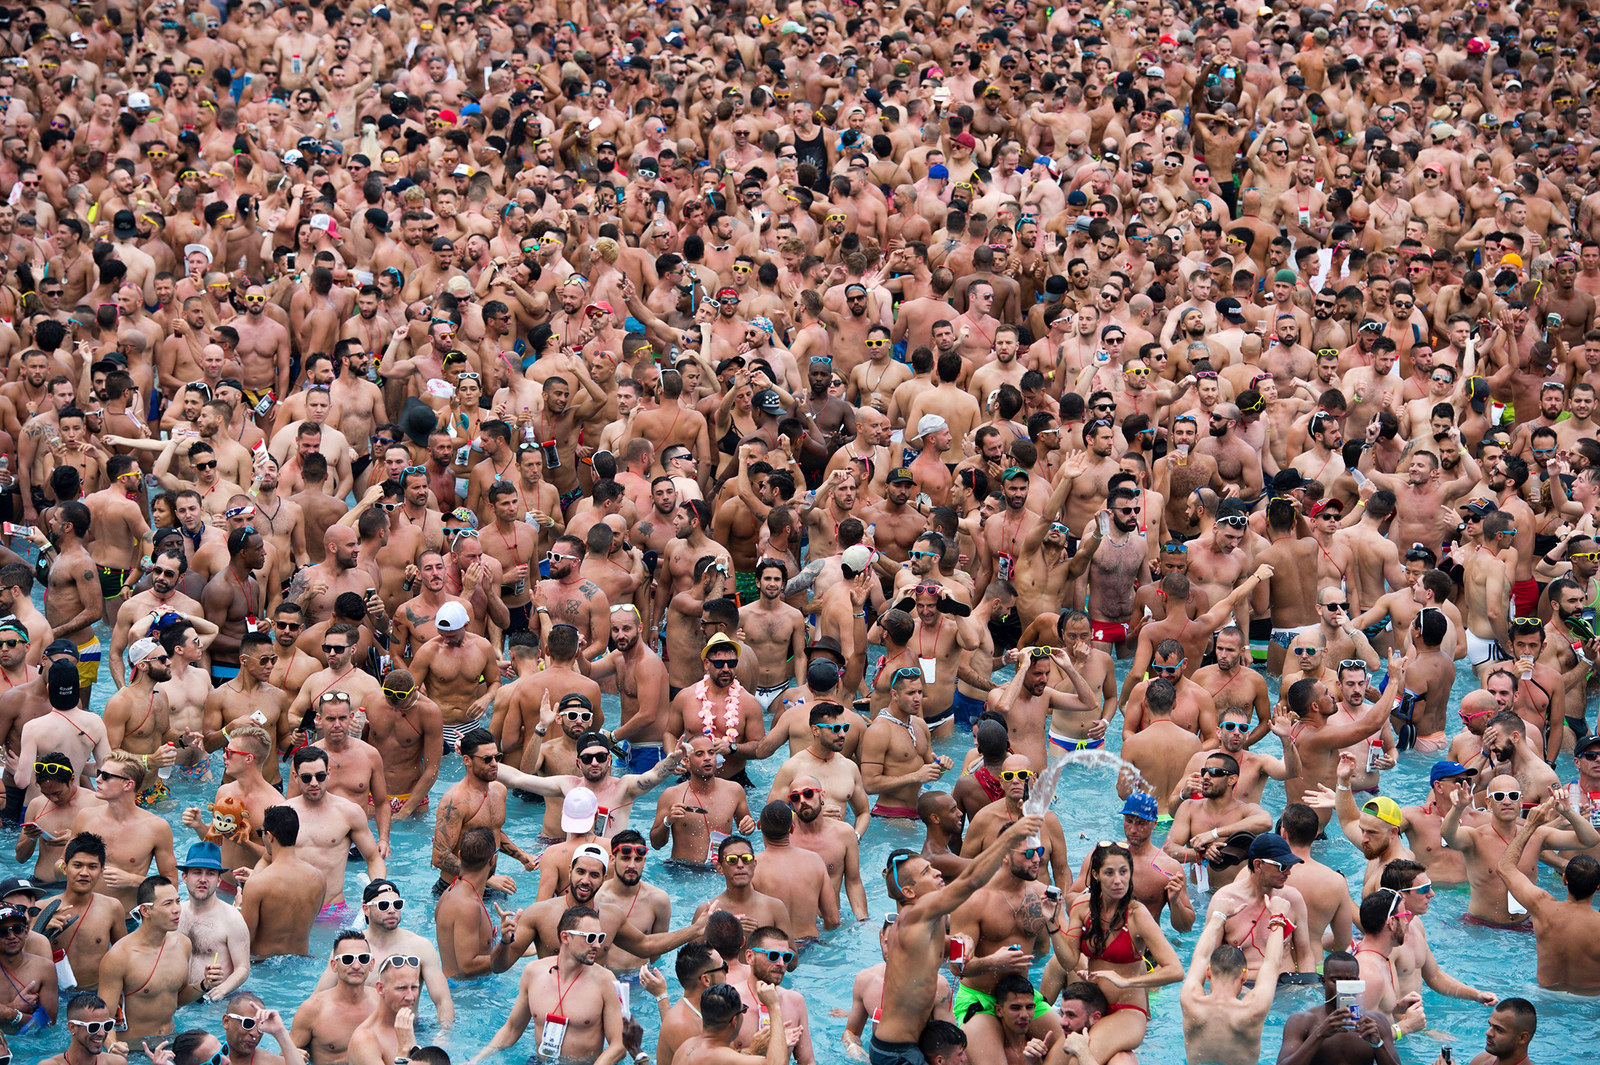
733, 748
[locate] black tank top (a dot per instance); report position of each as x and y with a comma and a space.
814, 151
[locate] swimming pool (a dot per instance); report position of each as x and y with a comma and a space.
1086, 802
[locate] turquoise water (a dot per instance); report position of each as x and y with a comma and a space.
1086, 803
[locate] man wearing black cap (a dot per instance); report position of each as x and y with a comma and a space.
1268, 861
67, 729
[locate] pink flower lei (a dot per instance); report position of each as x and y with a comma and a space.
730, 709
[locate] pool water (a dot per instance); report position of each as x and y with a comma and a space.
1086, 803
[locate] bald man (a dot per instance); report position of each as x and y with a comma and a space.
316, 587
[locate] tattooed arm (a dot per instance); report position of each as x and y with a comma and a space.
447, 828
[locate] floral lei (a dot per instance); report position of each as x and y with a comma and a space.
730, 709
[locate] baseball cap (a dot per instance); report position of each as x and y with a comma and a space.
578, 810
14, 885
1510, 258
124, 225
1477, 393
769, 401
461, 170
326, 224
856, 557
901, 474
1384, 809
966, 140
572, 699
8, 912
203, 854
1451, 770
1590, 741
138, 101
1324, 504
1481, 508
1229, 308
588, 850
1141, 806
1286, 276
1271, 846
1287, 480
143, 650
62, 647
451, 617
930, 423
938, 171
377, 887
63, 684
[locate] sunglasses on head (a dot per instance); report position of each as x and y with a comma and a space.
399, 961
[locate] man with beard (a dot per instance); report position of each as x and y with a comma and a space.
49, 816
830, 838
699, 967
625, 890
1201, 826
244, 1043
558, 424
569, 596
478, 800
1423, 496
1006, 923
356, 769
641, 678
281, 521
235, 600
615, 795
718, 705
460, 670
138, 717
413, 624
823, 760
590, 1017
263, 350
699, 812
89, 1030
214, 927
1116, 556
468, 945
316, 587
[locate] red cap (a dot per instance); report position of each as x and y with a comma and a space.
1325, 504
966, 140
448, 117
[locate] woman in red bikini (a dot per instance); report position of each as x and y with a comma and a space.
1107, 928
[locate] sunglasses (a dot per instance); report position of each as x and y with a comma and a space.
1008, 775
1306, 652
739, 859
105, 1027
395, 961
630, 850
723, 663
594, 939
1234, 726
577, 715
1424, 888
784, 956
333, 649
1345, 606
103, 775
286, 626
385, 905
306, 778
206, 465
1030, 853
353, 959
1214, 771
1167, 671
247, 1024
1352, 663
838, 728
1505, 796
595, 758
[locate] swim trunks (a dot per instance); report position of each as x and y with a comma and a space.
520, 616
336, 913
199, 773
904, 813
1525, 925
764, 696
1108, 631
89, 662
1481, 651
969, 1000
643, 757
1067, 743
966, 708
112, 581
1431, 744
1525, 596
937, 719
155, 790
746, 587
881, 1052
1284, 636
222, 674
397, 801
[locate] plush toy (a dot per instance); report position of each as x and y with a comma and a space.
229, 820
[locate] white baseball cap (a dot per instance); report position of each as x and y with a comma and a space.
143, 650
856, 557
451, 617
930, 423
578, 810
138, 101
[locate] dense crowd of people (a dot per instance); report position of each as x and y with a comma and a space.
817, 427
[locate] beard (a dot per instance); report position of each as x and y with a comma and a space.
1219, 433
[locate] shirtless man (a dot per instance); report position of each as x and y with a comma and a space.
100, 920
1490, 905
325, 1020
282, 898
897, 756
1561, 927
216, 932
329, 827
739, 720
147, 971
1201, 827
641, 680
406, 730
134, 838
74, 601
478, 800
823, 760
776, 631
459, 670
703, 810
1218, 1025
356, 770
49, 816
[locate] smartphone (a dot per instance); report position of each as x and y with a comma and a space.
289, 261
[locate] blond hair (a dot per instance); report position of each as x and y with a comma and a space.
254, 739
132, 765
